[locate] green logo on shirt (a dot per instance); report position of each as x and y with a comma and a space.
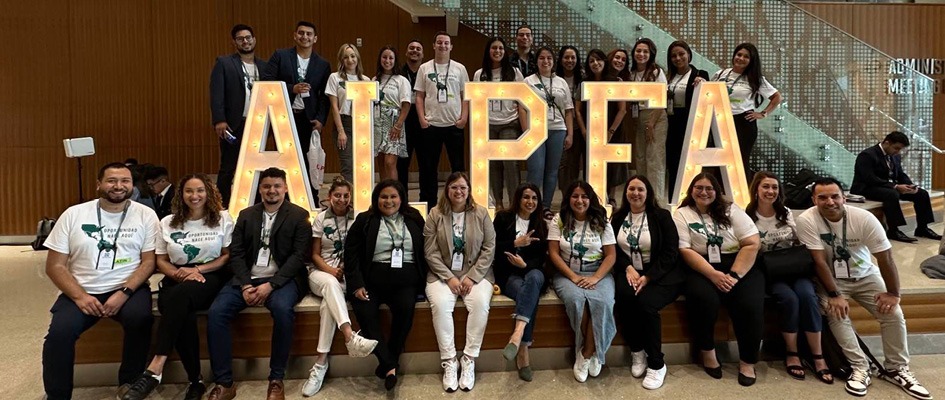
177, 236
191, 251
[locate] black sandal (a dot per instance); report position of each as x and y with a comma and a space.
823, 375
795, 371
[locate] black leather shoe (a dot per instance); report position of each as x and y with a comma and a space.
927, 233
390, 381
714, 372
746, 380
897, 235
195, 391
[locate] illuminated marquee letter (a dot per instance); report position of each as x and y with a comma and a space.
482, 149
362, 95
268, 105
711, 110
599, 152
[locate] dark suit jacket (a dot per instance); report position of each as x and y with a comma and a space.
690, 88
871, 170
534, 254
164, 209
663, 268
360, 245
284, 66
290, 243
228, 90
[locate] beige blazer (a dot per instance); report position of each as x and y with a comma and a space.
479, 251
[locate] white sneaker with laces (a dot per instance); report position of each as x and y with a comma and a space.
450, 380
909, 384
654, 378
638, 363
858, 383
593, 368
581, 366
316, 377
359, 346
467, 375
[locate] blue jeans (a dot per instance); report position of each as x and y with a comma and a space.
228, 304
543, 165
526, 291
799, 306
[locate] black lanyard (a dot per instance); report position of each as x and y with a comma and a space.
393, 238
840, 251
549, 95
633, 240
387, 82
103, 245
679, 79
711, 238
342, 235
250, 79
436, 74
263, 235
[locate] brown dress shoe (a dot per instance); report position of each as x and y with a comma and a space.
276, 390
221, 392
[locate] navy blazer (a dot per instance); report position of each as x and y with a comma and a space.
228, 89
284, 66
663, 268
870, 170
290, 243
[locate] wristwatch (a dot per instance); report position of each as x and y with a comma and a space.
734, 274
833, 294
127, 291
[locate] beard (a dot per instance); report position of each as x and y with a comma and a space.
245, 52
113, 197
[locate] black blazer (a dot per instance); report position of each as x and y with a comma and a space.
361, 242
870, 170
690, 87
164, 209
663, 268
228, 90
284, 66
290, 243
534, 254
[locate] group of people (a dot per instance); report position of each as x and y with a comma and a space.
635, 262
422, 108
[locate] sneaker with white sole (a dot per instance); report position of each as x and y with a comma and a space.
359, 346
637, 363
316, 377
581, 366
906, 380
858, 383
467, 375
654, 378
593, 368
450, 380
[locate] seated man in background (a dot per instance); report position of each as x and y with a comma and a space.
878, 175
162, 191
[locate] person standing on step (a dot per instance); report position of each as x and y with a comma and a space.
414, 56
349, 70
524, 58
649, 151
391, 112
569, 68
682, 77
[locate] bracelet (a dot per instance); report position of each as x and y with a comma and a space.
247, 288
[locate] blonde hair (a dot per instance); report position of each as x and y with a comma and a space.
358, 70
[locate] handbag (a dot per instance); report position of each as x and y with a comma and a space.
789, 263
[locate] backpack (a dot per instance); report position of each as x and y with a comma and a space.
837, 362
43, 228
797, 194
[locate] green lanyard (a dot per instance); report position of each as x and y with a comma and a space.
103, 245
339, 245
633, 240
459, 242
580, 246
840, 251
725, 79
711, 238
393, 238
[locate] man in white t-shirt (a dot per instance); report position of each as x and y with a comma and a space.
443, 114
101, 254
842, 240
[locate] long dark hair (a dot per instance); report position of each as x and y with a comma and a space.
670, 67
596, 214
623, 74
212, 206
651, 69
535, 220
405, 209
650, 202
508, 71
380, 69
578, 70
752, 72
780, 210
718, 210
605, 74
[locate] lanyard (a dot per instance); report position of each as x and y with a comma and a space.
411, 76
633, 240
840, 251
581, 248
714, 238
103, 245
679, 79
341, 234
442, 86
393, 238
264, 233
384, 86
459, 243
731, 88
549, 95
250, 79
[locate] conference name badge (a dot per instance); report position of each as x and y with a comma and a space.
262, 259
457, 262
397, 258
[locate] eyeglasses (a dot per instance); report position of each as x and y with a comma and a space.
707, 189
244, 38
459, 188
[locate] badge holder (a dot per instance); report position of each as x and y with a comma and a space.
636, 257
397, 258
670, 102
441, 95
262, 259
457, 264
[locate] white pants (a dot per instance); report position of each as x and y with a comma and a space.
333, 310
442, 302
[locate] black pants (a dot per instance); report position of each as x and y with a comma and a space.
639, 317
68, 323
398, 289
412, 130
745, 304
431, 145
893, 211
747, 132
179, 303
572, 162
674, 145
229, 156
304, 127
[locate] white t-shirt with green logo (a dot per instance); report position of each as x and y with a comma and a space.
79, 234
333, 230
195, 242
865, 236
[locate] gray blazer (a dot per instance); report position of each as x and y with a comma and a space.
479, 252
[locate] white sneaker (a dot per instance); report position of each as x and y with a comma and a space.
906, 380
858, 383
450, 381
638, 363
581, 366
467, 376
359, 346
654, 378
593, 369
316, 377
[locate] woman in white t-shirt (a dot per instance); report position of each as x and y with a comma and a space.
603, 68
192, 254
326, 279
649, 150
719, 242
390, 112
569, 68
349, 69
543, 163
507, 118
581, 249
747, 89
797, 301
